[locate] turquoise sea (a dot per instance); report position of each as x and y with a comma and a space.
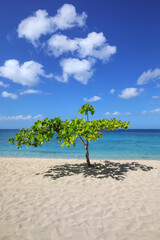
130, 144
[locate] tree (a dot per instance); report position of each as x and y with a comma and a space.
68, 131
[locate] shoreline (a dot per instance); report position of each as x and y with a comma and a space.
59, 199
83, 159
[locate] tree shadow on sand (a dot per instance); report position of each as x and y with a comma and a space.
114, 170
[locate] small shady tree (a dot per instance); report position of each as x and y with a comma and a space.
68, 131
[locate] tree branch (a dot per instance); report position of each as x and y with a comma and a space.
87, 143
82, 141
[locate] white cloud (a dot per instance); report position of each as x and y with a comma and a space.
21, 117
94, 45
79, 69
67, 17
92, 99
59, 44
145, 112
155, 97
9, 95
127, 113
2, 84
150, 75
30, 91
112, 114
26, 74
112, 91
34, 26
39, 116
130, 93
157, 110
118, 113
41, 23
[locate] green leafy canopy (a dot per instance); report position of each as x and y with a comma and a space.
66, 132
86, 108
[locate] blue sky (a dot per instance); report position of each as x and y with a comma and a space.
57, 55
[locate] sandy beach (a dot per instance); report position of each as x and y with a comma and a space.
49, 199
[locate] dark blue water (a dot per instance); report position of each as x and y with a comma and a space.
130, 144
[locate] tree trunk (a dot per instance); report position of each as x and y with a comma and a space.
87, 155
87, 152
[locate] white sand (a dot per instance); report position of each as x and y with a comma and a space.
34, 207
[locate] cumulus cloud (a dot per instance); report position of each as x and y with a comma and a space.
150, 75
34, 26
79, 69
26, 74
6, 94
94, 45
30, 91
130, 93
112, 91
67, 17
59, 44
157, 110
40, 23
2, 84
84, 52
92, 99
92, 48
21, 117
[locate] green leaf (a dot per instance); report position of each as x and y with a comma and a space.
86, 108
67, 131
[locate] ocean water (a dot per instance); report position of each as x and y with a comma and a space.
130, 144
